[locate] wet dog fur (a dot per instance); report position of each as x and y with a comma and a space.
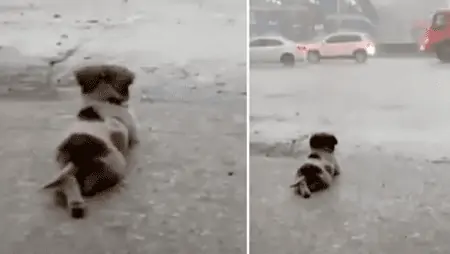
107, 89
320, 168
100, 147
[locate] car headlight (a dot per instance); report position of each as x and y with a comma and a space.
371, 50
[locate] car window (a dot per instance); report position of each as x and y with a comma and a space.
439, 20
335, 39
343, 38
353, 38
265, 43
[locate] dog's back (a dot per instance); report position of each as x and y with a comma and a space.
90, 148
327, 159
118, 133
115, 126
123, 113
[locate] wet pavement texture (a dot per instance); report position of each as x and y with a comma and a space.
391, 119
189, 194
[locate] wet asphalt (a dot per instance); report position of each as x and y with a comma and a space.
391, 119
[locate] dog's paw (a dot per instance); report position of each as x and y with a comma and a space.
303, 192
77, 209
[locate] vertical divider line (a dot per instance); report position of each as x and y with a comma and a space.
247, 64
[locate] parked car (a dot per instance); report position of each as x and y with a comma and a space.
274, 49
339, 45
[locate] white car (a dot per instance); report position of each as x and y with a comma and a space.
274, 49
339, 45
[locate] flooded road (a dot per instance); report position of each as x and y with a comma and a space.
391, 119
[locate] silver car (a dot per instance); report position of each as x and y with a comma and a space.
274, 49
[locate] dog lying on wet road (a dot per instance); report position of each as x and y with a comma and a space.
100, 147
320, 168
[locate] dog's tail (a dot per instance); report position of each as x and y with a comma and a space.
298, 182
295, 185
69, 169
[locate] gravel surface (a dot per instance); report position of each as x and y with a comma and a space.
391, 120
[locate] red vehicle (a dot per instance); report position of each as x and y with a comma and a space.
437, 36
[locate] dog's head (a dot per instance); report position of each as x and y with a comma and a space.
324, 141
105, 83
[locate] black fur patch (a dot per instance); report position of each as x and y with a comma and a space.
100, 178
88, 78
85, 152
81, 149
316, 185
314, 156
311, 174
89, 114
115, 101
309, 170
123, 90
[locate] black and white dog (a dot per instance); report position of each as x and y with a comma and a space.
100, 146
320, 167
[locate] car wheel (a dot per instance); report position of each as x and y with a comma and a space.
360, 56
313, 57
287, 59
443, 52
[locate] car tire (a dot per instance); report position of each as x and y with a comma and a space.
360, 56
443, 52
313, 57
287, 59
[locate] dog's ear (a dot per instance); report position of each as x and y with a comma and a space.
335, 140
89, 77
124, 76
120, 78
